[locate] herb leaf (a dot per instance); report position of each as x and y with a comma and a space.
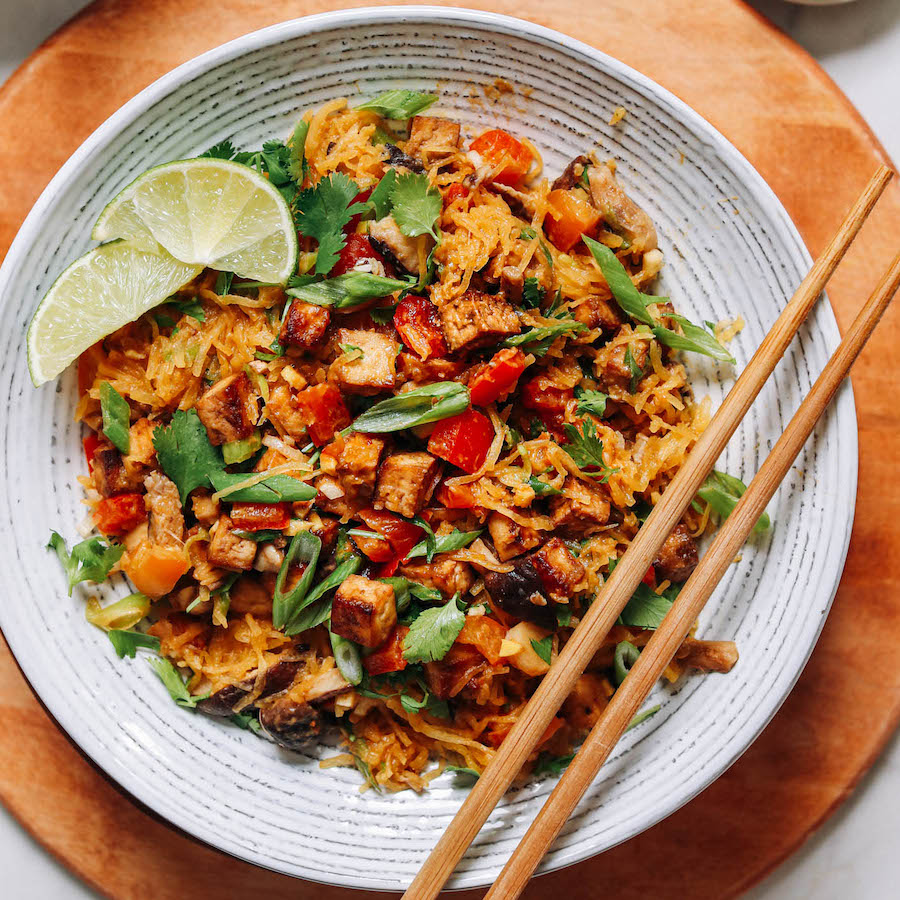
273, 489
307, 547
174, 683
380, 198
539, 338
404, 589
433, 632
552, 765
349, 289
126, 643
322, 212
643, 716
90, 560
399, 104
445, 543
116, 416
628, 297
416, 407
586, 450
646, 608
185, 453
315, 607
415, 205
223, 150
544, 648
532, 293
591, 402
694, 338
722, 492
541, 488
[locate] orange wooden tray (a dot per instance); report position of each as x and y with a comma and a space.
795, 126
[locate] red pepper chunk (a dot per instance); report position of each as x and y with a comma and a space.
455, 192
548, 402
119, 514
388, 657
499, 377
357, 249
463, 440
650, 577
324, 411
510, 158
260, 516
569, 216
419, 325
401, 536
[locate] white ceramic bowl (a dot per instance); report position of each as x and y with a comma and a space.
731, 250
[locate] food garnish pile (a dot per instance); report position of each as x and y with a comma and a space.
371, 414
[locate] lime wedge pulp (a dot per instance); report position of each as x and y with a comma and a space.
103, 290
209, 212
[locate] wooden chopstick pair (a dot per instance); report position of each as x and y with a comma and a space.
615, 593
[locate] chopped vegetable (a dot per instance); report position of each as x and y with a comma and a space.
497, 378
155, 570
174, 683
323, 411
261, 516
643, 716
569, 216
316, 607
694, 338
509, 158
463, 440
722, 492
239, 451
116, 416
415, 205
347, 658
625, 657
416, 407
126, 643
271, 489
124, 613
433, 632
389, 656
419, 325
591, 402
349, 289
304, 549
91, 560
445, 543
119, 514
399, 104
586, 450
185, 453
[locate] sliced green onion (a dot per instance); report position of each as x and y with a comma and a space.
346, 655
416, 407
122, 614
272, 489
116, 417
625, 657
311, 612
238, 451
304, 547
349, 289
399, 104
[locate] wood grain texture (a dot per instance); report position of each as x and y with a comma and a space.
801, 133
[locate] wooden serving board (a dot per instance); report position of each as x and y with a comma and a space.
801, 133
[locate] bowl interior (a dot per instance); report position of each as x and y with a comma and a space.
731, 251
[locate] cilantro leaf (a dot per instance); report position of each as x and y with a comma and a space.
544, 648
563, 615
116, 417
552, 765
429, 703
126, 643
646, 608
223, 286
586, 450
90, 560
174, 683
323, 211
430, 539
404, 590
532, 293
591, 402
722, 492
380, 198
247, 721
399, 104
433, 632
223, 150
185, 453
415, 205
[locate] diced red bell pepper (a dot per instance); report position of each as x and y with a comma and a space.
548, 402
496, 735
485, 634
418, 323
498, 377
401, 536
119, 514
357, 249
389, 656
90, 444
650, 577
260, 516
463, 440
510, 158
455, 192
569, 216
325, 413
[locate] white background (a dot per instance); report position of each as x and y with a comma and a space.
854, 856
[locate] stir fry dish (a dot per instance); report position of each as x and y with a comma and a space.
381, 416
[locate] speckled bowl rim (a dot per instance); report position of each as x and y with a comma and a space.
274, 34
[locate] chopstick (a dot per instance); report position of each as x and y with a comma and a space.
586, 639
666, 640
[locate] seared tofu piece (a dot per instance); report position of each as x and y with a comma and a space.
332, 498
678, 556
447, 677
364, 611
164, 508
708, 656
249, 595
141, 452
511, 539
512, 281
353, 461
281, 407
428, 371
406, 482
228, 409
560, 571
370, 370
206, 510
395, 246
432, 137
571, 176
305, 325
599, 312
227, 550
616, 369
620, 211
581, 508
445, 575
477, 320
110, 475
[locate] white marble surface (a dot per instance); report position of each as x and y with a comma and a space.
854, 856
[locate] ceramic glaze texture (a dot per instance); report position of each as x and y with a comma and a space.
730, 249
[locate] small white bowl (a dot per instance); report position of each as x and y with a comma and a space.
731, 250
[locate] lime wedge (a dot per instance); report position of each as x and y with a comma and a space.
104, 290
209, 212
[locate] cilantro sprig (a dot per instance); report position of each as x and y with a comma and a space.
91, 560
433, 632
415, 205
116, 417
185, 453
586, 450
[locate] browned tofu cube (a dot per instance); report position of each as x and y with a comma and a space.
332, 498
616, 369
281, 407
228, 409
510, 539
558, 569
431, 136
397, 247
110, 475
227, 550
477, 320
599, 312
445, 575
367, 364
364, 611
582, 507
406, 482
678, 555
428, 371
353, 460
305, 325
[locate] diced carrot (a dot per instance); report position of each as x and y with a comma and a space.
569, 216
154, 570
510, 158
